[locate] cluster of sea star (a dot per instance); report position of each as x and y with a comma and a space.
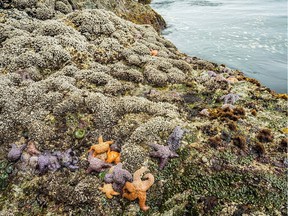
102, 155
45, 161
119, 181
219, 77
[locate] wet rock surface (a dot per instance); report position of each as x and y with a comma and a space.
63, 70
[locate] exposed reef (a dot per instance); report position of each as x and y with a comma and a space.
73, 70
126, 9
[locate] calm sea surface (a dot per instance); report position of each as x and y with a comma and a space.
249, 35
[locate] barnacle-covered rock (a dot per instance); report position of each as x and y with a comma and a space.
65, 68
127, 9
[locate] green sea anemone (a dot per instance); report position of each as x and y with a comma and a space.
79, 133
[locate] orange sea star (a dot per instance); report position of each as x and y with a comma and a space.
100, 147
154, 52
108, 190
113, 156
138, 188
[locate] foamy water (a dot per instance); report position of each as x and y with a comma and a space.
249, 35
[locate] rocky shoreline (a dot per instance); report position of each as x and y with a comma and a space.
71, 71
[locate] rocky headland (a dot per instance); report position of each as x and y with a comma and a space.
71, 71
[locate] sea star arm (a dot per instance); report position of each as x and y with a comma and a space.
100, 139
69, 151
117, 160
149, 182
163, 162
22, 147
142, 201
139, 173
109, 142
114, 193
89, 170
106, 165
155, 146
73, 167
155, 154
127, 176
108, 195
117, 187
173, 155
108, 178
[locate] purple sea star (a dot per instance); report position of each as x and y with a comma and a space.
47, 161
96, 164
15, 152
67, 159
118, 177
230, 98
213, 76
175, 138
211, 73
163, 153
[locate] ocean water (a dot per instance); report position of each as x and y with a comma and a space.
249, 35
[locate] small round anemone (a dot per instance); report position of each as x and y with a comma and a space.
3, 180
9, 169
79, 133
101, 175
4, 176
3, 164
